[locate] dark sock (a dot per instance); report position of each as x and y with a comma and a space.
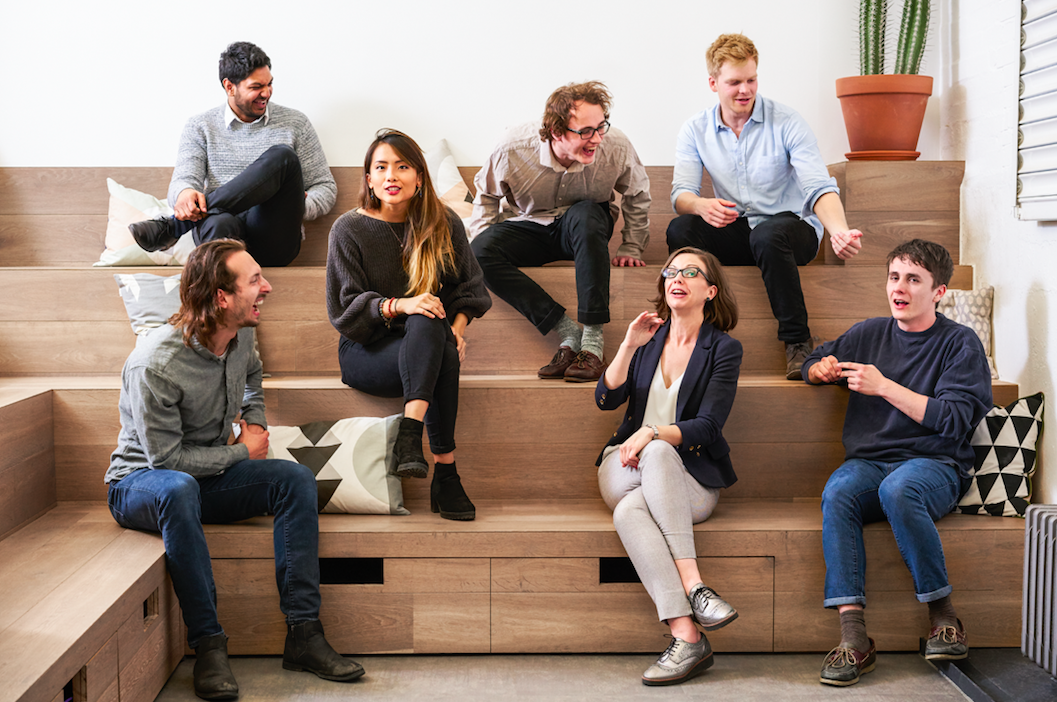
853, 630
941, 613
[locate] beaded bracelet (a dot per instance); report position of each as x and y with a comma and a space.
381, 311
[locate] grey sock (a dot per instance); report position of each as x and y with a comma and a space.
941, 613
569, 332
592, 339
853, 630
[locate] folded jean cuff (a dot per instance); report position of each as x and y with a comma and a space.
833, 602
935, 594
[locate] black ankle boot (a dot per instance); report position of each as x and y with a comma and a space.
307, 650
447, 496
410, 463
212, 674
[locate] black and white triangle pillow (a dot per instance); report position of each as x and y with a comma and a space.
352, 460
1004, 443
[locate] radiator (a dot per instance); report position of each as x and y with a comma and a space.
1038, 640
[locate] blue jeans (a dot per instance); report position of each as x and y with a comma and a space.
912, 495
177, 505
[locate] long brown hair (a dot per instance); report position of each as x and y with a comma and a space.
722, 311
205, 272
428, 252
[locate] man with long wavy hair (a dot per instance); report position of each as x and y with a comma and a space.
176, 466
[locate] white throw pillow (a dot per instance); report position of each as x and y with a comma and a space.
128, 206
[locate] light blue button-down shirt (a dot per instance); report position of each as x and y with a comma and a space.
774, 166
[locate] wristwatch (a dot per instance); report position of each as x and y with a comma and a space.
656, 433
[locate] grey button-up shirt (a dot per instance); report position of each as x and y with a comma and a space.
178, 403
538, 189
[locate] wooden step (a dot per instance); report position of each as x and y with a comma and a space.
74, 585
895, 201
516, 435
84, 327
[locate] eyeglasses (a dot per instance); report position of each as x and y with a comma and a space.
688, 272
588, 132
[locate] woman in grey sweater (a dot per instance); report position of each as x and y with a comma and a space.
402, 285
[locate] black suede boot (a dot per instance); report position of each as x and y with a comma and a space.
307, 650
410, 463
213, 677
447, 496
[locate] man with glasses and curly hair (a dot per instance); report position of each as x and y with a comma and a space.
772, 193
559, 181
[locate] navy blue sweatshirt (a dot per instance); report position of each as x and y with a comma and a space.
946, 362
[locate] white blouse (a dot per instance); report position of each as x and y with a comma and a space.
661, 402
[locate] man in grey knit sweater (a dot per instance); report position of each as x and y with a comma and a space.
245, 170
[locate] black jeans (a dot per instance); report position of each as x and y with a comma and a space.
777, 245
420, 364
580, 235
262, 206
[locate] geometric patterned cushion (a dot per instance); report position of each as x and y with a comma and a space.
1004, 443
352, 460
149, 299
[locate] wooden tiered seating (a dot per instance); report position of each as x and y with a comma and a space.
534, 571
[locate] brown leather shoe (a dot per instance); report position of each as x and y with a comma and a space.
586, 368
795, 355
555, 370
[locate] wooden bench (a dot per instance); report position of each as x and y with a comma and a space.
541, 569
83, 600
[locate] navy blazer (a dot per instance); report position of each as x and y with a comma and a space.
705, 398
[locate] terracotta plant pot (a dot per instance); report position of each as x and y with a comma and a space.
883, 115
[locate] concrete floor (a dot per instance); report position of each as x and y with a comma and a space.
898, 677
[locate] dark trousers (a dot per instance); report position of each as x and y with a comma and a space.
420, 364
777, 246
177, 505
580, 235
262, 206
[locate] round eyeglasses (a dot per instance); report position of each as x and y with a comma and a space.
588, 132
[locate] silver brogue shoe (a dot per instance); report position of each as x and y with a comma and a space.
681, 661
710, 610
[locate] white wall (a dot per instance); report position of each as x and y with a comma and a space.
981, 47
91, 85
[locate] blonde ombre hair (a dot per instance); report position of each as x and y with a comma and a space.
428, 251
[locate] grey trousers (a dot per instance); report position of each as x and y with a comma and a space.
655, 507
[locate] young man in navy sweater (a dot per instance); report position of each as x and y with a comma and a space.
919, 386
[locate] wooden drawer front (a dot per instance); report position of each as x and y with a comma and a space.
558, 605
425, 605
150, 647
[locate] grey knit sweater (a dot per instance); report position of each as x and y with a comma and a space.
212, 153
364, 265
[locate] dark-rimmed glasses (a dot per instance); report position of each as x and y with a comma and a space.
688, 272
588, 132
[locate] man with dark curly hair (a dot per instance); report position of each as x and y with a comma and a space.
560, 181
247, 169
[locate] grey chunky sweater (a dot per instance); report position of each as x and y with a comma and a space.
364, 265
213, 152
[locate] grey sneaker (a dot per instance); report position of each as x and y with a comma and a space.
681, 661
710, 610
795, 355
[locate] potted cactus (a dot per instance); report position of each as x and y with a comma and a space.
883, 113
